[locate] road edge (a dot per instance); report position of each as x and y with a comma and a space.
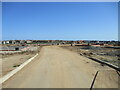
10, 74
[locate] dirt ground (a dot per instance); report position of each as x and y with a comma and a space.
11, 62
105, 54
56, 67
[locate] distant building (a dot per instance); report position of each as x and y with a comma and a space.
22, 41
29, 41
13, 41
17, 41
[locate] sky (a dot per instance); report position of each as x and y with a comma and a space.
60, 21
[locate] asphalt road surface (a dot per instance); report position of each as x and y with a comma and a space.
56, 67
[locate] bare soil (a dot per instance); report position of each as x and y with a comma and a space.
105, 54
11, 62
13, 59
56, 67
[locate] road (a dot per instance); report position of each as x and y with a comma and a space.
56, 67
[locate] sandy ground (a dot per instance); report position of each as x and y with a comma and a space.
11, 62
56, 67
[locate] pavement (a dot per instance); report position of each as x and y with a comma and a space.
56, 67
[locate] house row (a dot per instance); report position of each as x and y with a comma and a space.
24, 41
13, 42
91, 42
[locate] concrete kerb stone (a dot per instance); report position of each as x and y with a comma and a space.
10, 74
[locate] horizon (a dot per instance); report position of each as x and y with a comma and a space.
59, 40
60, 21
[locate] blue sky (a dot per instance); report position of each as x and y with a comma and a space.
60, 20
